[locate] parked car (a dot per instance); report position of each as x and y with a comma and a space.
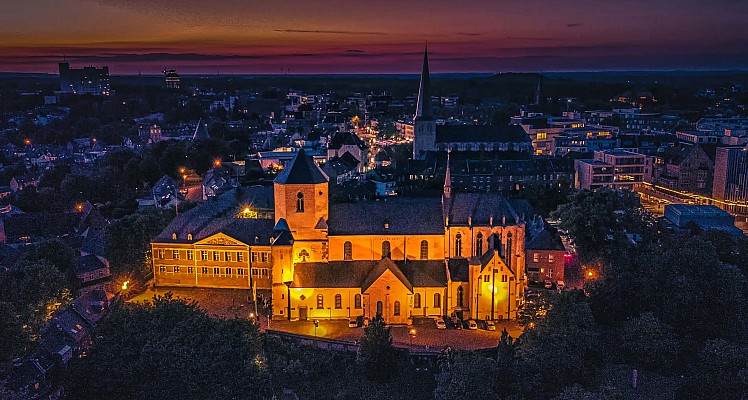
471, 324
353, 323
490, 326
548, 285
440, 323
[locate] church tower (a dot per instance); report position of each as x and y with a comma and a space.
424, 124
301, 198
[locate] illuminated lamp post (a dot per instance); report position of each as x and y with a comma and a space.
412, 335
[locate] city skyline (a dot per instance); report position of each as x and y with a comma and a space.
234, 37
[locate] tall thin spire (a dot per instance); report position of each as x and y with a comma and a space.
423, 108
448, 179
537, 93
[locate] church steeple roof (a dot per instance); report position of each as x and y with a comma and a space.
301, 170
423, 107
201, 132
448, 179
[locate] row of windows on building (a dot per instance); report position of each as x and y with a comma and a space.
257, 272
387, 250
396, 304
238, 256
536, 257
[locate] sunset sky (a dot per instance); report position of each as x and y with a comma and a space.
382, 36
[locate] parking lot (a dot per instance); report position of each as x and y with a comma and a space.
228, 303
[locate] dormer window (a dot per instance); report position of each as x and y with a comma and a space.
189, 236
174, 236
300, 202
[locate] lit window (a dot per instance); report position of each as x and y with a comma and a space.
239, 256
417, 300
162, 268
357, 301
320, 301
190, 255
550, 258
338, 301
424, 250
265, 256
205, 270
535, 257
176, 268
396, 308
161, 253
190, 270
227, 256
216, 256
204, 255
175, 254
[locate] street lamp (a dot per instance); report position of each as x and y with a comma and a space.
412, 335
316, 325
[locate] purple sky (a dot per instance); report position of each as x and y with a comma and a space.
384, 36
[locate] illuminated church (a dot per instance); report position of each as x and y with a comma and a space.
461, 253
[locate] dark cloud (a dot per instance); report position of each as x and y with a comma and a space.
328, 32
574, 25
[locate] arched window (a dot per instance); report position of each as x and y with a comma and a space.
300, 202
458, 245
338, 301
320, 301
437, 300
189, 236
396, 308
417, 300
347, 251
357, 301
509, 251
479, 244
379, 308
386, 249
459, 296
424, 250
174, 236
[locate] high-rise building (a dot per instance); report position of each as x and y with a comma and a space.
731, 174
86, 80
171, 79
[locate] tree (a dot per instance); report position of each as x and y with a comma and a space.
598, 221
563, 349
127, 241
376, 354
169, 348
649, 343
721, 372
471, 376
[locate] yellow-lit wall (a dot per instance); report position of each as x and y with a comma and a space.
315, 207
369, 247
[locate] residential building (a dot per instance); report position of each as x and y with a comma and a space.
731, 174
685, 167
87, 80
610, 168
544, 252
706, 217
171, 79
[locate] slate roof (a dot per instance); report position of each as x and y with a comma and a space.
300, 170
37, 225
545, 239
201, 132
424, 273
481, 134
363, 273
402, 216
345, 138
88, 263
459, 269
481, 207
219, 215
